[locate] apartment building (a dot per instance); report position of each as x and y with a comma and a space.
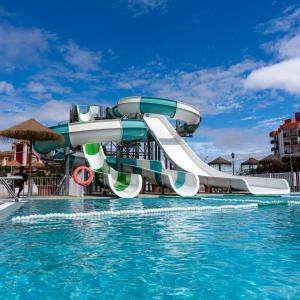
285, 141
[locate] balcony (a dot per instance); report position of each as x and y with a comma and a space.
291, 134
292, 152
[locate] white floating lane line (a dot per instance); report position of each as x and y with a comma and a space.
247, 200
293, 202
148, 211
128, 212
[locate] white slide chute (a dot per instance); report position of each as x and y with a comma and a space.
184, 158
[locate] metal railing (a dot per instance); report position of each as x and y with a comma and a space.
49, 186
41, 186
62, 188
293, 179
8, 183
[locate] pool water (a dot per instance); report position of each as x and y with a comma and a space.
244, 253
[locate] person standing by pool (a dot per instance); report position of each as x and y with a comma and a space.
20, 182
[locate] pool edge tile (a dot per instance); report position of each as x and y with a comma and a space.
8, 208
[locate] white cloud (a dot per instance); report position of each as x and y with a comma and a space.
141, 7
82, 59
244, 142
4, 12
238, 140
212, 90
21, 46
36, 87
285, 47
50, 113
284, 75
131, 85
249, 118
289, 20
47, 88
271, 123
6, 87
289, 47
204, 150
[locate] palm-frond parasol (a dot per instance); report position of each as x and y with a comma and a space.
250, 162
13, 164
31, 130
270, 159
219, 161
38, 165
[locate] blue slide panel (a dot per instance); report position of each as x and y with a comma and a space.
133, 130
158, 106
44, 147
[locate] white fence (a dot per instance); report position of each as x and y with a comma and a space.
293, 178
47, 186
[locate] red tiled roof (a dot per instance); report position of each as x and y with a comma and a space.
273, 133
287, 124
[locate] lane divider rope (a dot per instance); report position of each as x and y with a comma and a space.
248, 200
147, 211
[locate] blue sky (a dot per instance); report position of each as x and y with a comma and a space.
237, 61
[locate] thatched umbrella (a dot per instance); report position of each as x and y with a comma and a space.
293, 160
294, 157
250, 162
219, 161
270, 159
38, 165
31, 130
13, 164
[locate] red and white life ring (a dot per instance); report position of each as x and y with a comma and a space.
81, 169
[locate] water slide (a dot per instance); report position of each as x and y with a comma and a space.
170, 108
183, 183
126, 182
89, 134
155, 111
122, 184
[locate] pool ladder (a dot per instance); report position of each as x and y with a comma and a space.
11, 193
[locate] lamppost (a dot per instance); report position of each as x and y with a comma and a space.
232, 156
291, 163
292, 171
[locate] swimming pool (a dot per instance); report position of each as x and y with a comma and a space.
248, 252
